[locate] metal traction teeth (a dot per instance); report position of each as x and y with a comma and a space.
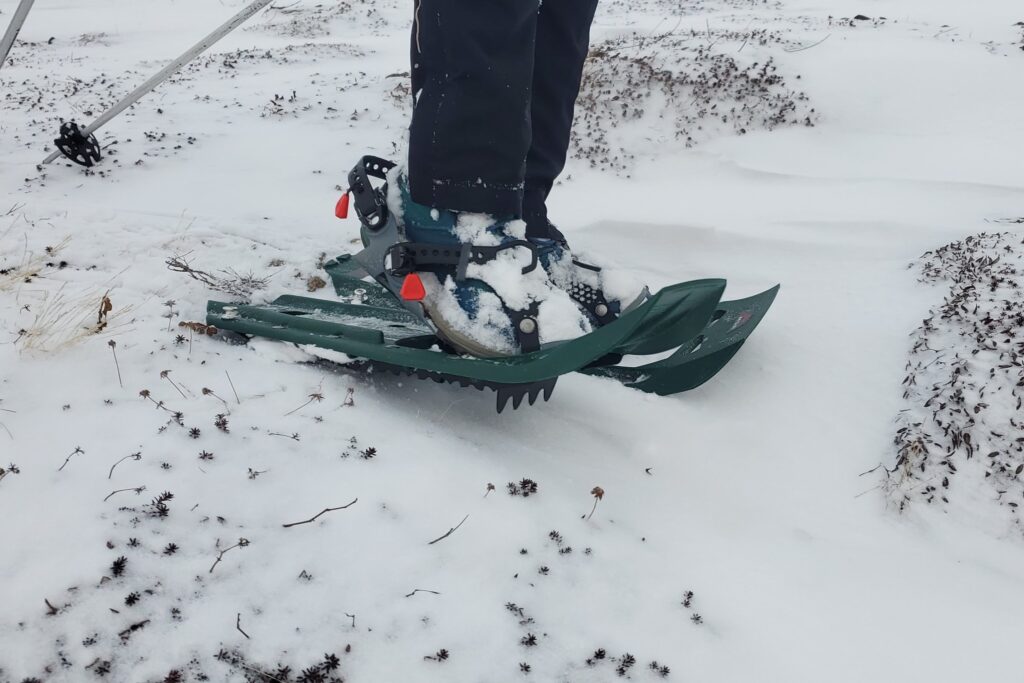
505, 392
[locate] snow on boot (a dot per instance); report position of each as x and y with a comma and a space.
474, 277
603, 295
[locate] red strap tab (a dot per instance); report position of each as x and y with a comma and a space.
412, 288
341, 209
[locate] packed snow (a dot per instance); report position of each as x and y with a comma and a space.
176, 508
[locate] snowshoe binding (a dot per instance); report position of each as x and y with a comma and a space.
465, 298
473, 278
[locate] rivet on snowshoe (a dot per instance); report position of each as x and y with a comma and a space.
527, 325
601, 310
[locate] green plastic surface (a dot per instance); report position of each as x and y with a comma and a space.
369, 323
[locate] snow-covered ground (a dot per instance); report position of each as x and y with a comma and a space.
746, 492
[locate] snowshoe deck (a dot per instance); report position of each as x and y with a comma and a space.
701, 356
372, 327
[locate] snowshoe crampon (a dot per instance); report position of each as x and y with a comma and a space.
372, 323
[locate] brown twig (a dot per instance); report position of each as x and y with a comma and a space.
293, 437
317, 396
322, 512
166, 374
210, 392
78, 449
238, 625
808, 47
450, 531
237, 400
132, 629
137, 489
145, 393
421, 590
133, 456
242, 542
234, 283
113, 349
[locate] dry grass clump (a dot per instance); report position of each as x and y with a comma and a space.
678, 88
962, 434
62, 321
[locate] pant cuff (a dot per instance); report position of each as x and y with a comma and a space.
475, 196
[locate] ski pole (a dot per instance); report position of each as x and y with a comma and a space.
80, 145
12, 31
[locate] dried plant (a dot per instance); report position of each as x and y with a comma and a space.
61, 322
598, 493
681, 81
113, 349
242, 286
524, 488
965, 366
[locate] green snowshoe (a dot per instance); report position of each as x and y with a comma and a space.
379, 321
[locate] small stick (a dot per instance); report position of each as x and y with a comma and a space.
78, 449
113, 349
242, 542
808, 47
312, 397
166, 374
233, 388
133, 456
421, 590
209, 392
132, 629
238, 625
879, 466
137, 489
352, 617
868, 491
50, 609
450, 531
263, 675
293, 437
145, 393
322, 512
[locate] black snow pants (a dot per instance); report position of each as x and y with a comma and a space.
495, 84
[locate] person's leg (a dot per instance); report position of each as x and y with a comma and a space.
472, 67
563, 39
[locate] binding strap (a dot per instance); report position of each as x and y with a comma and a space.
407, 257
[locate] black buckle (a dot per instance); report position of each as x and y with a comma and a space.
370, 202
481, 255
406, 257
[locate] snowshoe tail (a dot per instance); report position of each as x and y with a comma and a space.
701, 357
